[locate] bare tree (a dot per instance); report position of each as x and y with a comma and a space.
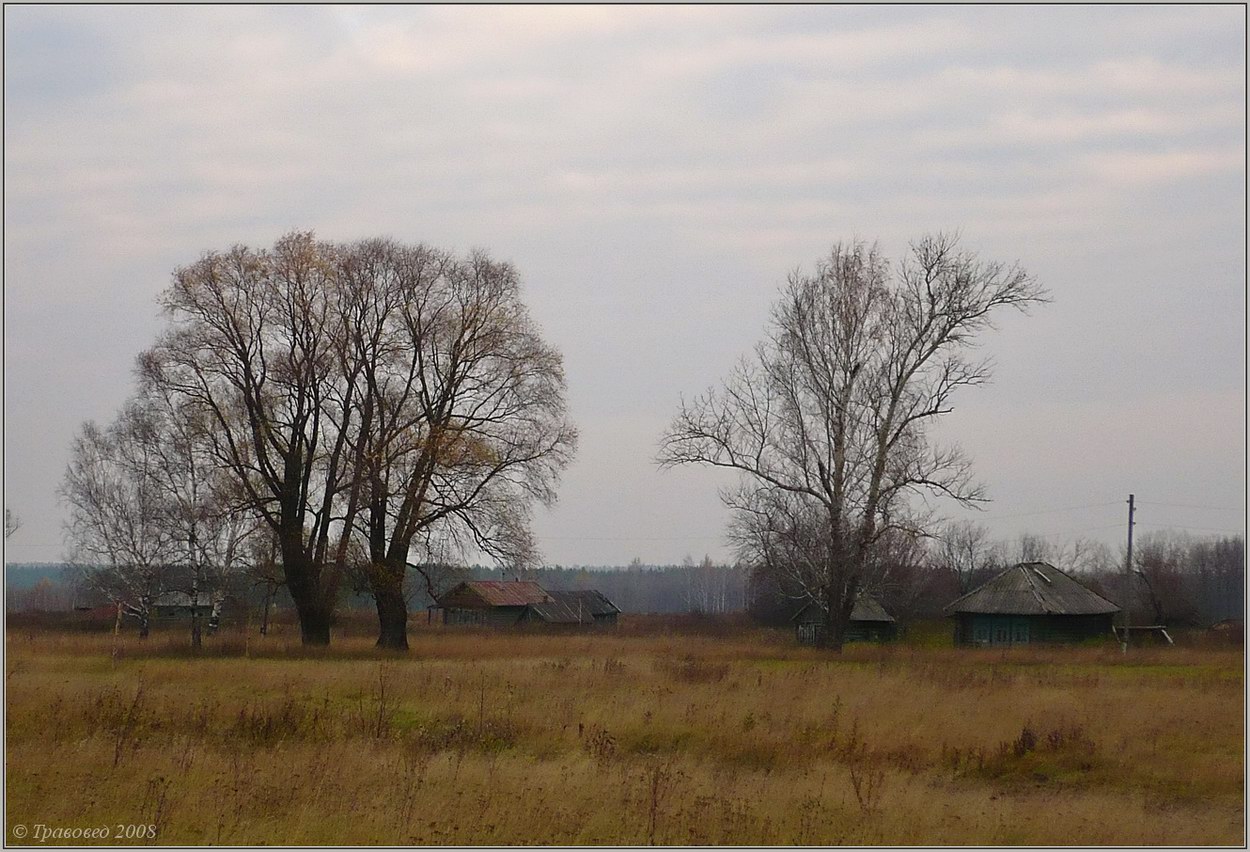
256, 345
205, 510
963, 548
829, 418
369, 400
118, 524
463, 415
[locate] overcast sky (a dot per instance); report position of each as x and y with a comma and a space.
654, 173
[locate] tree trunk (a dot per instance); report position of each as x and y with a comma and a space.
314, 624
313, 611
197, 633
388, 591
264, 619
313, 606
830, 638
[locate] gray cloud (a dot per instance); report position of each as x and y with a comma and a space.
655, 172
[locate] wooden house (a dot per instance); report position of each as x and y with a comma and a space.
869, 622
490, 602
1027, 603
507, 603
178, 605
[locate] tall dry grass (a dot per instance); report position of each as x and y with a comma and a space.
628, 738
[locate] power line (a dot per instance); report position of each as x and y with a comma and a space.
1187, 528
1074, 532
1189, 506
629, 538
1049, 511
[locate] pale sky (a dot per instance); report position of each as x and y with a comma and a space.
654, 173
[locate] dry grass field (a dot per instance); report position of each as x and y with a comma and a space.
636, 737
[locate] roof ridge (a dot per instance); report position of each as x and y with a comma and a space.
1024, 568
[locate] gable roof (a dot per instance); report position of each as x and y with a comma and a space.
481, 593
1032, 588
867, 608
562, 608
590, 600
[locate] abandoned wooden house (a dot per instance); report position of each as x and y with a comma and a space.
178, 605
1030, 602
869, 622
512, 602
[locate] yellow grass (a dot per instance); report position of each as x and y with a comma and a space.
485, 738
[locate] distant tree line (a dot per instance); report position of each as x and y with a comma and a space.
1189, 581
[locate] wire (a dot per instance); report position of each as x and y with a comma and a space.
629, 538
1183, 527
1074, 532
1048, 511
1189, 506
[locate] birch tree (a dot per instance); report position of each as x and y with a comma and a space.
118, 526
829, 419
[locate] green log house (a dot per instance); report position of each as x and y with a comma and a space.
1030, 602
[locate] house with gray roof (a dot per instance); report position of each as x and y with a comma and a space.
1027, 603
869, 622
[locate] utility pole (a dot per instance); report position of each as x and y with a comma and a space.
1128, 576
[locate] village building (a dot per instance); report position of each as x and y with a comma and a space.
1027, 603
869, 622
507, 603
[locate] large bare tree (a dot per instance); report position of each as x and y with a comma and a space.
463, 414
828, 420
256, 344
370, 400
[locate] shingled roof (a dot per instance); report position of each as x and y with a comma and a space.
494, 593
867, 608
1032, 588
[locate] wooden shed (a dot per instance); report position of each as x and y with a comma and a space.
1027, 603
506, 603
869, 622
582, 607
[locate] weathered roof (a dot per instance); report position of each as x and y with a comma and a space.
867, 608
483, 593
591, 600
1032, 588
574, 607
181, 599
